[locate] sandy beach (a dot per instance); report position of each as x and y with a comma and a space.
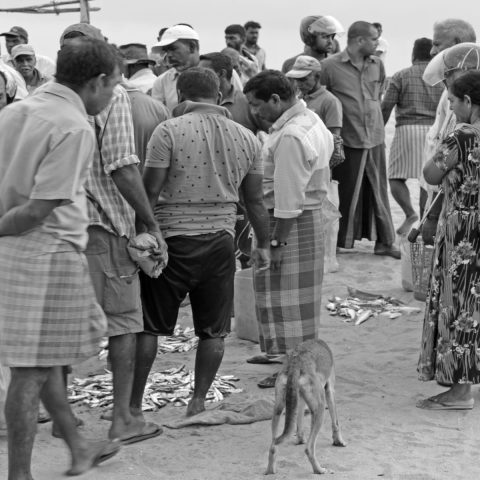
376, 391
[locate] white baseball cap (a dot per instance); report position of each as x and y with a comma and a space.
304, 65
177, 32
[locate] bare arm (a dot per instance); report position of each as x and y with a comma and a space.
25, 217
153, 179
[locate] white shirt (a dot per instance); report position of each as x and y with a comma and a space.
45, 65
143, 80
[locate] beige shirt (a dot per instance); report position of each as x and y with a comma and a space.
46, 149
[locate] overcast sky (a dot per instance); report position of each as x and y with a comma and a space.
125, 21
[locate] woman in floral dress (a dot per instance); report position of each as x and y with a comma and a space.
450, 350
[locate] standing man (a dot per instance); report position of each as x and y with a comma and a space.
357, 78
446, 33
235, 37
194, 186
251, 38
232, 99
138, 67
181, 46
19, 36
297, 173
115, 196
318, 35
48, 314
25, 63
415, 103
306, 74
382, 46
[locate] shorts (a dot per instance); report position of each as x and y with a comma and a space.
115, 281
202, 266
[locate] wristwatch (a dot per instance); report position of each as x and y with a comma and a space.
274, 243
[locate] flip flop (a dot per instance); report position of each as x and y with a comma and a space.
43, 417
140, 437
109, 450
432, 404
263, 360
268, 382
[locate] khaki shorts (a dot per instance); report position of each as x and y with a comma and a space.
115, 280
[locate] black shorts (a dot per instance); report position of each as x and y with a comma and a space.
204, 267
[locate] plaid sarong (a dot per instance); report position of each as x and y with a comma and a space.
288, 300
48, 311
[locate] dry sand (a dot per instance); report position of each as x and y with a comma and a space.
376, 391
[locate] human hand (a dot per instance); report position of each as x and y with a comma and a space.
159, 253
429, 230
276, 255
260, 259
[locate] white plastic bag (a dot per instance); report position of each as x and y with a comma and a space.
332, 216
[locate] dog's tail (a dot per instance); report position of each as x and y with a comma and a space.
291, 403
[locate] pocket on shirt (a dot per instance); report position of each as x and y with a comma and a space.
122, 291
373, 89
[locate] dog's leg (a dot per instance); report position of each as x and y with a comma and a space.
280, 388
300, 417
332, 408
314, 395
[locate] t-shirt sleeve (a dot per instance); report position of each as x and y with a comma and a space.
333, 113
62, 170
257, 165
160, 147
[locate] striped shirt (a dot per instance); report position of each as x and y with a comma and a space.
415, 101
115, 149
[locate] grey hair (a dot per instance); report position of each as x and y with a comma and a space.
458, 30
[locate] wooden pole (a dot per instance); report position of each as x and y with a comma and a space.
84, 11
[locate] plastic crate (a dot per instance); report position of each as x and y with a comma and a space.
421, 256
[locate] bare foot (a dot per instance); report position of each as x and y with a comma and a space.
195, 406
91, 456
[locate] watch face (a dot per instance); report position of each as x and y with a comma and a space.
274, 243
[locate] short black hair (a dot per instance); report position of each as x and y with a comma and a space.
219, 62
468, 84
359, 29
83, 59
269, 82
235, 29
196, 83
421, 49
377, 25
251, 24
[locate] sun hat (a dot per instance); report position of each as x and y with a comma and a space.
134, 53
22, 49
463, 56
177, 32
303, 66
16, 32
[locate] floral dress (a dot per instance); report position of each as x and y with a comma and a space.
450, 349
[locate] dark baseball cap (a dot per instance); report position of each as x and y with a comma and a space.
16, 32
84, 29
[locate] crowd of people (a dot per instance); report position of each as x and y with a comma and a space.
114, 149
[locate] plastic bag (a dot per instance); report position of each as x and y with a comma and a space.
332, 216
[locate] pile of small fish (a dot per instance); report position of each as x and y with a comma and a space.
182, 340
174, 386
360, 306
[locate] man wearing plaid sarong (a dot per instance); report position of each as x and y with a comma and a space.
295, 185
48, 314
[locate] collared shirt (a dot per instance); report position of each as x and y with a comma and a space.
207, 155
147, 113
38, 79
165, 88
260, 53
359, 92
326, 105
296, 162
143, 80
107, 207
237, 104
46, 148
415, 101
44, 64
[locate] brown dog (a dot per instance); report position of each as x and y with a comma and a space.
308, 376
